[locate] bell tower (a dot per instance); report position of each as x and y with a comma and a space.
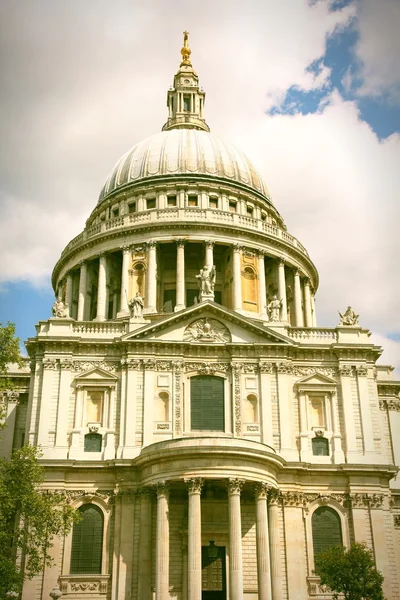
185, 100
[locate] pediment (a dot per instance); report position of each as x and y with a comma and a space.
96, 374
208, 323
316, 380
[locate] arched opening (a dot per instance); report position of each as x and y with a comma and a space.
87, 541
326, 529
162, 407
250, 409
249, 289
207, 411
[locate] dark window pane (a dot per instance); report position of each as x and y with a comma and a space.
320, 446
93, 442
207, 403
87, 541
326, 529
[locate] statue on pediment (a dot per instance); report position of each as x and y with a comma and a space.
60, 309
206, 280
348, 318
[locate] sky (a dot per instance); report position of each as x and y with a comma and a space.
310, 90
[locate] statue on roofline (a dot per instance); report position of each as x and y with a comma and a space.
206, 280
274, 309
136, 306
348, 318
60, 309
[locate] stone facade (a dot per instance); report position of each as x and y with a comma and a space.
208, 426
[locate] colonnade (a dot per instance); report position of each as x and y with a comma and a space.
267, 543
303, 298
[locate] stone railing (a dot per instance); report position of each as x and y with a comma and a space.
102, 328
313, 335
181, 215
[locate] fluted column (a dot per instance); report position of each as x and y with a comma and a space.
275, 545
101, 289
237, 279
262, 542
262, 290
144, 557
282, 289
68, 292
298, 313
209, 253
82, 291
151, 280
180, 275
124, 309
194, 538
307, 304
162, 548
235, 539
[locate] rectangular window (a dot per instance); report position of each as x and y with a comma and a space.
193, 200
132, 207
250, 211
213, 202
232, 206
171, 201
186, 103
207, 403
115, 212
94, 406
150, 203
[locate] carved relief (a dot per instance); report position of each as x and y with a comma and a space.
389, 404
346, 370
261, 490
206, 330
266, 367
235, 485
362, 371
396, 520
250, 367
304, 371
177, 384
236, 371
194, 485
366, 500
163, 365
286, 368
86, 365
206, 368
50, 364
149, 364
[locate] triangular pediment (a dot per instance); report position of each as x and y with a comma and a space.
211, 323
316, 379
96, 374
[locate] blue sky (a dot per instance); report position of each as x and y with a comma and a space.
310, 90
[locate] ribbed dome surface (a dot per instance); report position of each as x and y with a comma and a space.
183, 152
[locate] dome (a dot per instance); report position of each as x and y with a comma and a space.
184, 152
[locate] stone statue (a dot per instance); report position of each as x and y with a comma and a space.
60, 309
206, 280
274, 309
136, 306
349, 317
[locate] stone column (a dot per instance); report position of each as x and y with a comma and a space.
82, 292
298, 313
275, 545
313, 313
262, 542
307, 304
151, 279
262, 290
180, 275
282, 289
68, 292
237, 278
266, 371
61, 446
346, 374
101, 289
209, 260
162, 543
194, 538
124, 309
338, 453
235, 539
366, 418
144, 557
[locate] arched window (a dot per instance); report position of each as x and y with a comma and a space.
87, 541
207, 403
320, 446
249, 289
326, 529
250, 409
93, 442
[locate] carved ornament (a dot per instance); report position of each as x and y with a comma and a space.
261, 490
235, 486
266, 367
396, 520
207, 330
194, 485
86, 365
346, 370
362, 371
389, 404
304, 371
284, 368
206, 368
50, 364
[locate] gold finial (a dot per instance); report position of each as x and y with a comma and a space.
186, 51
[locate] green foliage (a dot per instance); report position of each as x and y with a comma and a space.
29, 518
9, 353
351, 573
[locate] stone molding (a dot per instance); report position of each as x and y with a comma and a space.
87, 365
206, 368
71, 584
284, 368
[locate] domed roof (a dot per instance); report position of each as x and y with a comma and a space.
184, 152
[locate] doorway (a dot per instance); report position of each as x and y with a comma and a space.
213, 569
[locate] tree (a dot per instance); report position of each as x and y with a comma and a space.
30, 516
9, 353
350, 572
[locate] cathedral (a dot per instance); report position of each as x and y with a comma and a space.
212, 436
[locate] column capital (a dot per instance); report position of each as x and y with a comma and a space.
307, 281
261, 253
282, 262
235, 486
297, 273
209, 243
151, 244
237, 247
162, 488
180, 243
82, 263
261, 490
126, 249
194, 485
144, 491
274, 497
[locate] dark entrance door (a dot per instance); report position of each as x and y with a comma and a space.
213, 573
